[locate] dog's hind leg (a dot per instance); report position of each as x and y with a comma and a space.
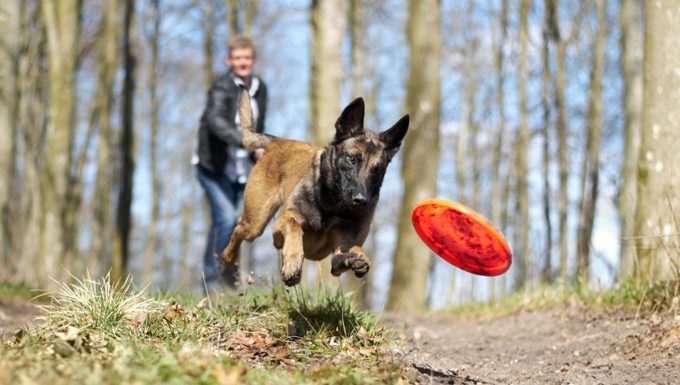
249, 226
231, 252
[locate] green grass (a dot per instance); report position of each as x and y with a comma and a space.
8, 290
327, 313
96, 332
658, 297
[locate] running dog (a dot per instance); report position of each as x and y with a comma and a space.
326, 196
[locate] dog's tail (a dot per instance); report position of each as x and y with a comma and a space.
252, 140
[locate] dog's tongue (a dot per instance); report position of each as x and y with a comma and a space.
461, 236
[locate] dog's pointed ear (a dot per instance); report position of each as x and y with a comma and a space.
351, 121
393, 136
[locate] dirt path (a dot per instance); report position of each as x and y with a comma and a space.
14, 315
557, 346
566, 345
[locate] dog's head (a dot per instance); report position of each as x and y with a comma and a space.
354, 163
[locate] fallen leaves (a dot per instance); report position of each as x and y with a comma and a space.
672, 337
70, 340
173, 312
257, 345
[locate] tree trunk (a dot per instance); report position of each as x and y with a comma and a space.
328, 20
500, 135
421, 147
251, 14
61, 23
470, 94
107, 53
208, 22
466, 135
496, 179
232, 18
10, 40
357, 32
559, 87
656, 225
461, 153
24, 216
505, 224
469, 156
328, 27
127, 146
546, 269
631, 66
152, 243
184, 269
521, 164
591, 160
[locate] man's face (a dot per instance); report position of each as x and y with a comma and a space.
241, 61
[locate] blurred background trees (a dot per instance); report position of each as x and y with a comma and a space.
533, 113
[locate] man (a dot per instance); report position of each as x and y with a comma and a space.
223, 164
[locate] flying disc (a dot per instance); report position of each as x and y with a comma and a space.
462, 237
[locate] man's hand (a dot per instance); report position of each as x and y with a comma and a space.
258, 153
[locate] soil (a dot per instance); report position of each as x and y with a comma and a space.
565, 345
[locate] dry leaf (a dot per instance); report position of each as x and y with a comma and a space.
672, 337
365, 351
172, 312
226, 378
70, 335
139, 318
281, 353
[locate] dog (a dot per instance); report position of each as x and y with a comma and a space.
326, 196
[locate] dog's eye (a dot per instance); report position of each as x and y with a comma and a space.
352, 159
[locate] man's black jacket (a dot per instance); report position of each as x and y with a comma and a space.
217, 129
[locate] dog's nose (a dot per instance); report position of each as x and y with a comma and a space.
359, 199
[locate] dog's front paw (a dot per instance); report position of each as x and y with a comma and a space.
356, 262
292, 279
291, 268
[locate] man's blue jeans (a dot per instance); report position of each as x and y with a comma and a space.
225, 198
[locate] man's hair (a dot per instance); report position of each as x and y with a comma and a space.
240, 42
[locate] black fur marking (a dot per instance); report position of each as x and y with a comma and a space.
351, 121
371, 147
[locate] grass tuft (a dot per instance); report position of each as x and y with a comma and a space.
662, 297
99, 305
326, 313
98, 332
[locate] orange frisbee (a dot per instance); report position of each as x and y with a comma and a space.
462, 237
